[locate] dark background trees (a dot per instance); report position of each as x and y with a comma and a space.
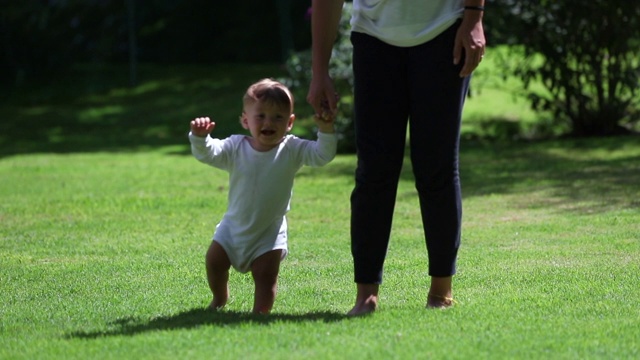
585, 55
39, 37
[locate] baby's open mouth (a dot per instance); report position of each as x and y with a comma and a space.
267, 132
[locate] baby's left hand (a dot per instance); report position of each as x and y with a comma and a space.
325, 122
326, 119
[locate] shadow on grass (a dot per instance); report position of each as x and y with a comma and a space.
202, 317
576, 175
91, 108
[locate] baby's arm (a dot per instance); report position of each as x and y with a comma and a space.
321, 151
202, 126
205, 148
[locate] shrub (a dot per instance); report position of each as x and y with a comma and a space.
587, 61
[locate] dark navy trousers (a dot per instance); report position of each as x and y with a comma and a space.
394, 87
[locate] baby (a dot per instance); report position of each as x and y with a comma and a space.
252, 235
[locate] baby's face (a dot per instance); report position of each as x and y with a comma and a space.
268, 124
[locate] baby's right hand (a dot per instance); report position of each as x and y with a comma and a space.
202, 126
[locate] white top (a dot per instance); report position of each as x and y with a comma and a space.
260, 189
405, 22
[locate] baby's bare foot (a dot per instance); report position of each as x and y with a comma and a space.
217, 305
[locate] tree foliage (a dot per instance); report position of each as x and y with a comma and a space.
586, 56
39, 37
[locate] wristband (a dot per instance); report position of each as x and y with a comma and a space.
477, 8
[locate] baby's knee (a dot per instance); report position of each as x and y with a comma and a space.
265, 268
217, 258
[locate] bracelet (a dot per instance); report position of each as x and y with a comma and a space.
477, 8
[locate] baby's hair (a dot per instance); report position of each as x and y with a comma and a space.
269, 91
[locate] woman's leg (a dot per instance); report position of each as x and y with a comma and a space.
436, 111
381, 115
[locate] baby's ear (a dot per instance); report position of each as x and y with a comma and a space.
292, 118
243, 120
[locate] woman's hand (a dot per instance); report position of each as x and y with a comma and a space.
470, 38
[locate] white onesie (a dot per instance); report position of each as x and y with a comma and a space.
260, 189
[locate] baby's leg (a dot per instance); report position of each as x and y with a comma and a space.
218, 264
265, 276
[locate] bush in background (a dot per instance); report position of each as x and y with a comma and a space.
585, 55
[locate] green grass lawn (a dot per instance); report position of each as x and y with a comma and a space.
103, 235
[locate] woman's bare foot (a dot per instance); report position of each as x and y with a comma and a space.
366, 300
365, 307
439, 302
440, 296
